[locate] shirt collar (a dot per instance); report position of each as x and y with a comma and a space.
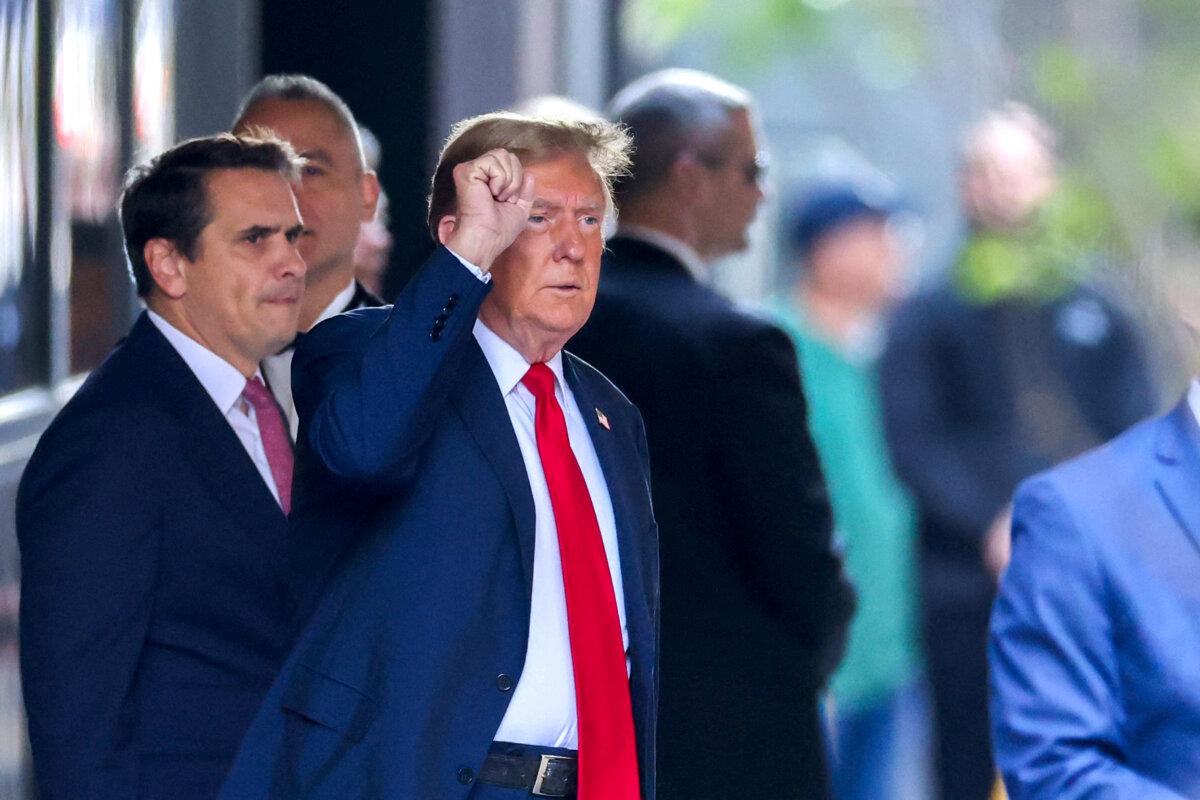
1193, 398
507, 364
223, 382
677, 248
339, 303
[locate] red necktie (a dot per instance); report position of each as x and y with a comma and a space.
275, 440
608, 768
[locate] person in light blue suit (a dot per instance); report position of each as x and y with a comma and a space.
1095, 639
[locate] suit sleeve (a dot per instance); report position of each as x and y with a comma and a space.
774, 478
1054, 682
368, 384
87, 523
949, 472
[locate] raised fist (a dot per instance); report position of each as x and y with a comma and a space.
494, 195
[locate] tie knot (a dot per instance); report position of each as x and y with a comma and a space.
256, 394
539, 380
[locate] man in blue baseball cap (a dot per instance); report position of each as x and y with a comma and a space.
847, 265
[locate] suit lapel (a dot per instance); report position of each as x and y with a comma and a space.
1178, 478
617, 469
212, 447
481, 406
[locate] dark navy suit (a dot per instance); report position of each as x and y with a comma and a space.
153, 602
405, 669
1095, 644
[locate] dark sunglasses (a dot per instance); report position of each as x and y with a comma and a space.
752, 171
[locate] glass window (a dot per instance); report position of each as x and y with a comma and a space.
22, 349
87, 131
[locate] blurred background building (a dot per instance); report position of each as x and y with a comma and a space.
89, 87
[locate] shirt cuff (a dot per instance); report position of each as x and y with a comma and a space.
486, 277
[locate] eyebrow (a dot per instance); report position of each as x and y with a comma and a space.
269, 230
543, 203
258, 230
319, 154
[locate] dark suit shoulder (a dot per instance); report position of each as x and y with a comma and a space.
597, 382
352, 324
668, 312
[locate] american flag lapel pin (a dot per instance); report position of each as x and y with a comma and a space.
603, 419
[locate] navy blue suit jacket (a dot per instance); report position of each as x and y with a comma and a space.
401, 676
153, 598
1095, 648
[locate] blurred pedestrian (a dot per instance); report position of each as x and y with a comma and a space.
374, 246
1013, 364
847, 266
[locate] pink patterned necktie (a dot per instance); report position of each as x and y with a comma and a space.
275, 441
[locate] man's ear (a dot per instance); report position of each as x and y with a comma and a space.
167, 266
687, 177
445, 228
370, 195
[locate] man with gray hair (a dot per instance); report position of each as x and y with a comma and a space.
755, 604
337, 193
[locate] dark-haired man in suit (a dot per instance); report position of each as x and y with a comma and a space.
152, 516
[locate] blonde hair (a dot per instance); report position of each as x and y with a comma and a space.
533, 140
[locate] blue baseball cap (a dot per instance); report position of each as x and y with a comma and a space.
820, 209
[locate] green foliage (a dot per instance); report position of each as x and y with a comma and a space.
1044, 259
1064, 78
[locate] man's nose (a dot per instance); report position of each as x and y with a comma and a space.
569, 241
291, 263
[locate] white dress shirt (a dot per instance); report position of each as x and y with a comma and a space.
278, 368
542, 709
678, 248
224, 384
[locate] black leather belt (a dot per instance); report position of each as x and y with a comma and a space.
542, 775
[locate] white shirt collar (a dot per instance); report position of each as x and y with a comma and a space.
338, 304
507, 364
223, 382
1193, 398
678, 248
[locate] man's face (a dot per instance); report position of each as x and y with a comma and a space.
335, 196
1008, 176
860, 263
242, 291
733, 191
544, 284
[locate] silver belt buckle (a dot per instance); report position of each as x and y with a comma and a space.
543, 768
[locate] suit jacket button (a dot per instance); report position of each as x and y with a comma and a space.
435, 334
504, 682
466, 776
451, 302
